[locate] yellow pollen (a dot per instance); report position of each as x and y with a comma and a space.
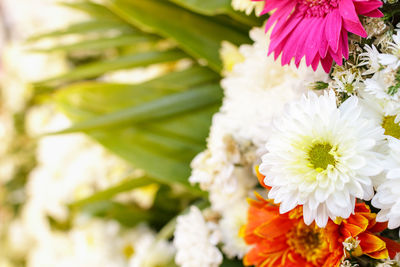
320, 156
391, 127
309, 242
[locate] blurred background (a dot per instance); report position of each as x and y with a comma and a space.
103, 106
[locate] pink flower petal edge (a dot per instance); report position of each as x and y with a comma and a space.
316, 29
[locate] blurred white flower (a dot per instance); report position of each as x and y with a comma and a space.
230, 224
195, 242
248, 6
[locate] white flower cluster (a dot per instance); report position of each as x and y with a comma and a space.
94, 242
256, 89
321, 151
325, 152
69, 167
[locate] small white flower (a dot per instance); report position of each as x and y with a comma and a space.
370, 58
393, 58
322, 157
382, 83
387, 197
350, 243
195, 242
347, 82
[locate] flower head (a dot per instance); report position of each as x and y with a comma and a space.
387, 197
322, 157
284, 239
316, 29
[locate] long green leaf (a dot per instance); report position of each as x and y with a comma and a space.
198, 35
166, 169
109, 193
123, 62
102, 43
93, 9
209, 8
97, 25
88, 99
157, 109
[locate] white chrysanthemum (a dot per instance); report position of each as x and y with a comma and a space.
322, 157
384, 113
195, 242
248, 6
230, 225
387, 197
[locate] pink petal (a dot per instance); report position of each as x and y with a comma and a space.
333, 29
326, 63
374, 14
351, 22
364, 7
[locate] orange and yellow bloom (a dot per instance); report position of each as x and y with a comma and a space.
285, 240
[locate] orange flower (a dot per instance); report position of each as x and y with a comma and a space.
285, 240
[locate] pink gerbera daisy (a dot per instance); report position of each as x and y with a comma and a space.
316, 29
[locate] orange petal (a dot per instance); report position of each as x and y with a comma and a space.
378, 227
350, 230
362, 207
379, 255
392, 246
274, 228
371, 243
358, 220
261, 178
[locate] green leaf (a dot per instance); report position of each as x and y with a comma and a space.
92, 70
208, 8
86, 27
93, 9
198, 35
164, 168
84, 100
183, 126
232, 263
127, 215
157, 109
107, 194
102, 43
164, 147
217, 7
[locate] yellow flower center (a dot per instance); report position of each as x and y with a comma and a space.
309, 242
391, 127
128, 251
320, 156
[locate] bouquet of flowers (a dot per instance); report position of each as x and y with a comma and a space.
243, 132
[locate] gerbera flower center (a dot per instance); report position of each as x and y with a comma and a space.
308, 242
320, 156
391, 127
316, 8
